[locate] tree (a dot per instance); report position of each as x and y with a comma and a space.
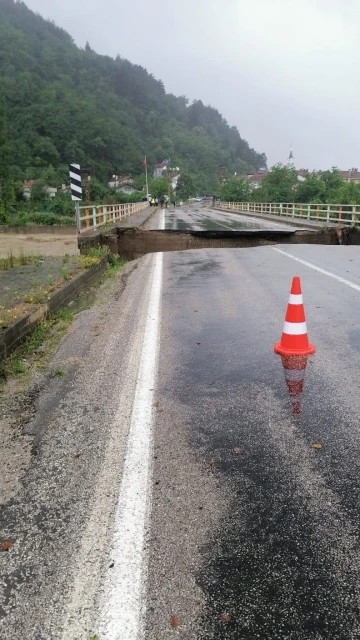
185, 187
39, 193
7, 195
236, 191
67, 104
279, 185
333, 183
348, 193
311, 189
159, 187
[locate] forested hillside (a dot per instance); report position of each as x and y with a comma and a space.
68, 104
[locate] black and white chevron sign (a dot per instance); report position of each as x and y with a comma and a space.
75, 182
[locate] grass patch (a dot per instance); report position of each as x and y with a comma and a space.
58, 373
64, 273
86, 261
26, 356
114, 267
38, 295
23, 259
8, 316
95, 254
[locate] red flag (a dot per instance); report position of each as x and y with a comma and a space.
145, 163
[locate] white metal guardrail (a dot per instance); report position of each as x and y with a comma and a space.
346, 214
93, 217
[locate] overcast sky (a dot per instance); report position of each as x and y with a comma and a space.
282, 71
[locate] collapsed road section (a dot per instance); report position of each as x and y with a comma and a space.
132, 243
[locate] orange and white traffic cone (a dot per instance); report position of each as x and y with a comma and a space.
294, 369
294, 340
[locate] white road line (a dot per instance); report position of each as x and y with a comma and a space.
162, 219
123, 615
319, 269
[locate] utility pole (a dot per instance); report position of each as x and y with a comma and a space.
146, 179
86, 176
86, 180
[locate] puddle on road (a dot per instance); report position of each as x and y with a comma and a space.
294, 371
208, 225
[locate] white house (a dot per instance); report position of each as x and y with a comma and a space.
174, 179
116, 181
160, 168
28, 185
127, 188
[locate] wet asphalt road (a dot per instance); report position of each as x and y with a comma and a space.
250, 532
268, 536
203, 218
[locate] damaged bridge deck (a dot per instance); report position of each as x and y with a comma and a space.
132, 243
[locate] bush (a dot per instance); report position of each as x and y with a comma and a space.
61, 205
25, 219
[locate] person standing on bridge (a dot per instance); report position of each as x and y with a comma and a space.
152, 203
156, 201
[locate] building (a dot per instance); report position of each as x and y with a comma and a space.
127, 188
28, 185
174, 179
351, 175
301, 174
290, 161
173, 173
160, 168
116, 181
255, 179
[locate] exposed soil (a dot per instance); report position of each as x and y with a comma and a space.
44, 244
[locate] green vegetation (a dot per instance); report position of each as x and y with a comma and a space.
186, 187
25, 218
13, 261
58, 373
6, 178
281, 184
62, 104
64, 273
49, 332
95, 254
236, 191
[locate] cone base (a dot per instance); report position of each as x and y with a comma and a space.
283, 351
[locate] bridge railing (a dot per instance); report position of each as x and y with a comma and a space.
93, 217
346, 214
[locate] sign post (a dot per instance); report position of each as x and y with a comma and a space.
76, 191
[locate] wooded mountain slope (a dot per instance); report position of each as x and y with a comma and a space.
66, 104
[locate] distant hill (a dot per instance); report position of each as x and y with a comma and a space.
68, 104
